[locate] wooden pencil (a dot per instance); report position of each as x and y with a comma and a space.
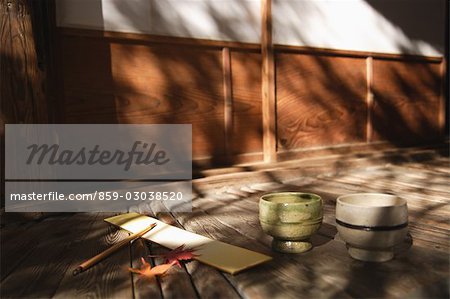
104, 254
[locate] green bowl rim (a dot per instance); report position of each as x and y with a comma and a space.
316, 198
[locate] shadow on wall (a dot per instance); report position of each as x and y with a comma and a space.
321, 99
333, 91
419, 22
413, 18
125, 81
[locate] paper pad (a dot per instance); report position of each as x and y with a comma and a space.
226, 257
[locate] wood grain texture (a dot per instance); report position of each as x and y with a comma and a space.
407, 101
161, 84
226, 208
320, 100
334, 264
155, 39
22, 97
355, 54
321, 95
427, 210
423, 182
230, 223
41, 270
142, 288
268, 84
176, 283
227, 99
444, 100
427, 227
130, 83
182, 41
21, 83
88, 87
15, 249
247, 116
202, 277
369, 98
108, 279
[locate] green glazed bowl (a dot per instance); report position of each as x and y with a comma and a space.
291, 218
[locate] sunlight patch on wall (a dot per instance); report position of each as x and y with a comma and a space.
386, 26
232, 20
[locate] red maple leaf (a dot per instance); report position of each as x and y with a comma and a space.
176, 255
146, 271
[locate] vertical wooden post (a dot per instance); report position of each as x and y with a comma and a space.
268, 84
228, 102
46, 22
446, 76
22, 98
369, 98
5, 110
21, 80
443, 98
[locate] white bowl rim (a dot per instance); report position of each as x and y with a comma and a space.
402, 202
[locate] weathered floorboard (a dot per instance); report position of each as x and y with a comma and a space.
142, 288
108, 279
226, 209
203, 277
41, 271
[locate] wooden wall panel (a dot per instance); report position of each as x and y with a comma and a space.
246, 87
320, 100
88, 88
407, 99
171, 84
321, 95
121, 82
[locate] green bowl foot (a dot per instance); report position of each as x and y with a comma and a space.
291, 246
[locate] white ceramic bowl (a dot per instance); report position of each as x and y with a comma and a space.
371, 224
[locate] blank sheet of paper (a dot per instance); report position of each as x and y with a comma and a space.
223, 256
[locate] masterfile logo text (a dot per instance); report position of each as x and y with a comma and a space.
97, 168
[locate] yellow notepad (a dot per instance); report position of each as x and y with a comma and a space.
226, 257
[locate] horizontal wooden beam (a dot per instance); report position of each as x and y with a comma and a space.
148, 38
356, 54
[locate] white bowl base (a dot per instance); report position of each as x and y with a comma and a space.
371, 255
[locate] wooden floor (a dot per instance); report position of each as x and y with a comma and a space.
37, 258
